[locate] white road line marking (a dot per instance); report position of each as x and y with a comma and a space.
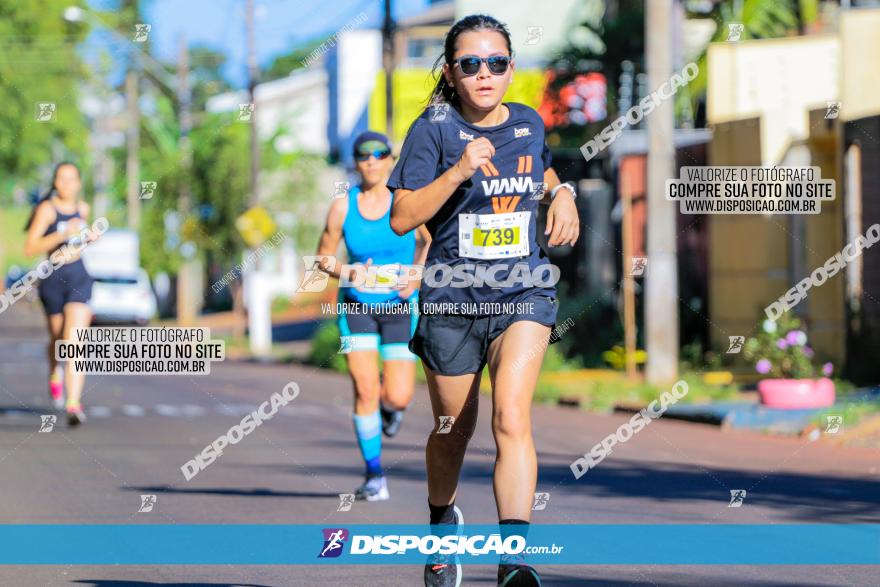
166, 410
190, 410
99, 411
235, 409
132, 410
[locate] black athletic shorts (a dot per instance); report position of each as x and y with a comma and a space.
70, 283
451, 344
383, 327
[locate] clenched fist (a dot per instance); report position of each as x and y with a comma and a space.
477, 152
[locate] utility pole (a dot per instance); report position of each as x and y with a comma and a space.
388, 62
187, 276
629, 304
661, 276
253, 73
132, 140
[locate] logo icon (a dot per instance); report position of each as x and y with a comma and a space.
141, 33
439, 111
465, 136
334, 540
522, 132
340, 189
346, 345
833, 110
346, 500
541, 501
734, 31
147, 503
446, 423
833, 424
539, 190
638, 266
737, 496
534, 35
736, 344
46, 111
47, 423
245, 112
148, 190
314, 279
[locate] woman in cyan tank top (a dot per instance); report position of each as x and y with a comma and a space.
377, 311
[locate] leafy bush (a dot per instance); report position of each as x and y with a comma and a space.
596, 328
325, 348
781, 350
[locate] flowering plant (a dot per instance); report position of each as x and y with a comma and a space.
781, 351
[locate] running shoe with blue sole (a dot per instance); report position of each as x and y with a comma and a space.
514, 572
444, 570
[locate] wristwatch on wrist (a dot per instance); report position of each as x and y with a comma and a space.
568, 185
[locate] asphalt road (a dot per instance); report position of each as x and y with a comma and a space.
292, 468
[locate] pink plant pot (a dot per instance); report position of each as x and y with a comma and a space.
796, 394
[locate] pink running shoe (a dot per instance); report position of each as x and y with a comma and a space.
56, 394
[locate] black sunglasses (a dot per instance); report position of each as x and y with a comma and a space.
380, 154
470, 64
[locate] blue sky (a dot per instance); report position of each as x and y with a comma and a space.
280, 26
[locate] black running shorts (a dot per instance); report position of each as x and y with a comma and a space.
451, 344
70, 283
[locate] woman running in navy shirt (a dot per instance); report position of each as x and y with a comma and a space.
473, 169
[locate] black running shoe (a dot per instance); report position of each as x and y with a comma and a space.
391, 420
514, 572
444, 570
75, 416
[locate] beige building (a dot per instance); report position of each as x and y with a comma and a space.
768, 104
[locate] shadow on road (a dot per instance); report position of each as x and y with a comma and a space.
798, 497
5, 410
548, 577
256, 492
112, 583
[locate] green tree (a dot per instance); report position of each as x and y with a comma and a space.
38, 65
284, 65
206, 75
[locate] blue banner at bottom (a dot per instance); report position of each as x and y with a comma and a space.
546, 544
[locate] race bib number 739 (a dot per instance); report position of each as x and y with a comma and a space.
493, 236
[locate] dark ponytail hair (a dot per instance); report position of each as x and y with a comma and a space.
443, 92
52, 191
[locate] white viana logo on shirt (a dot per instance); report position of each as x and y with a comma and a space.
521, 132
508, 185
464, 136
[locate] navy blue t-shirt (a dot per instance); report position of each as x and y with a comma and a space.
509, 187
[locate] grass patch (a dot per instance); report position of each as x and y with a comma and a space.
12, 238
853, 413
600, 392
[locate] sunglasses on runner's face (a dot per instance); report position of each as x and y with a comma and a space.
378, 154
470, 64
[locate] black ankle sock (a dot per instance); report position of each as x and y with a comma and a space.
513, 527
442, 514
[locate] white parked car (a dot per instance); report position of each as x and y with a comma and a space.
121, 292
123, 299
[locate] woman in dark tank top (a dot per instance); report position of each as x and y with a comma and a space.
59, 219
